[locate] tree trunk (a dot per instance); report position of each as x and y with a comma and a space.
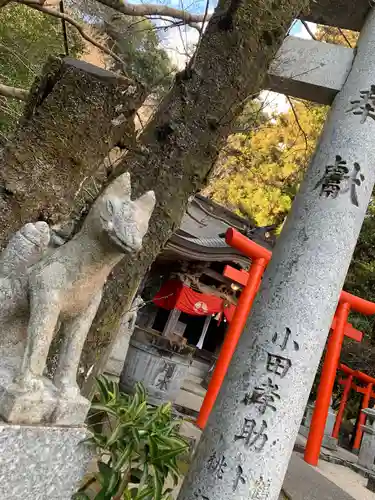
75, 114
182, 141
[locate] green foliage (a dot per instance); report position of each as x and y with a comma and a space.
330, 34
141, 450
27, 38
135, 40
260, 171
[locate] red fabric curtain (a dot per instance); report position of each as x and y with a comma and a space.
175, 295
229, 312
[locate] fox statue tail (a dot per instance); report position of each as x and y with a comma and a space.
25, 248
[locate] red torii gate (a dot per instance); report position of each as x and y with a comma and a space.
368, 393
260, 258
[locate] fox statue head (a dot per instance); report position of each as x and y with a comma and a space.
119, 221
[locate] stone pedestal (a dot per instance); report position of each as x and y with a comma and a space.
371, 484
21, 406
40, 463
366, 455
120, 348
117, 358
328, 441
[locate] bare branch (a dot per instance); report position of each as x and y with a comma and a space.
21, 59
145, 10
13, 92
298, 123
200, 34
140, 120
52, 12
63, 27
345, 37
10, 112
307, 27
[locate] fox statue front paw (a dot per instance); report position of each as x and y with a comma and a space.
29, 382
67, 388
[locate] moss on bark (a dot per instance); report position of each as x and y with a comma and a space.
69, 126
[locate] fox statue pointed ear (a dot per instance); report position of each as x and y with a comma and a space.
147, 202
120, 187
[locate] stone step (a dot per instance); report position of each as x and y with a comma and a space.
193, 387
199, 368
189, 400
194, 378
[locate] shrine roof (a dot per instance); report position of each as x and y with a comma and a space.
201, 235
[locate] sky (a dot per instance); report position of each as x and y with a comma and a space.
179, 44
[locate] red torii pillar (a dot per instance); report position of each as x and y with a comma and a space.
327, 379
340, 413
260, 257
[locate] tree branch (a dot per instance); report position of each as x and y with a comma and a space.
345, 37
298, 123
13, 92
200, 35
307, 27
145, 10
52, 12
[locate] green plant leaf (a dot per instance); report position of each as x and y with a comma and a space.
144, 493
127, 495
174, 442
116, 434
100, 440
170, 454
166, 409
140, 388
153, 446
105, 473
101, 382
135, 402
167, 494
158, 481
123, 458
143, 445
102, 495
104, 408
113, 483
140, 410
136, 436
89, 441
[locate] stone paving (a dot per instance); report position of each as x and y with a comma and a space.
347, 479
303, 482
328, 481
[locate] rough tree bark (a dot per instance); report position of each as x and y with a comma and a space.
75, 114
183, 139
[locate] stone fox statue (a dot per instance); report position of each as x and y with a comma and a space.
42, 290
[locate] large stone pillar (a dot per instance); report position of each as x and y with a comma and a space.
366, 457
245, 449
